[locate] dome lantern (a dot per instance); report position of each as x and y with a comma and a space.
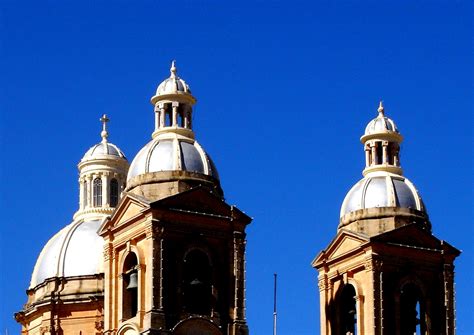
382, 144
384, 195
173, 160
102, 173
173, 106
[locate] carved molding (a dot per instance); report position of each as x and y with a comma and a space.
371, 264
323, 284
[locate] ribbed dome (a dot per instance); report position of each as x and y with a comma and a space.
173, 84
381, 124
103, 151
76, 250
382, 189
171, 154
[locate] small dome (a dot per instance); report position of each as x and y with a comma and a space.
103, 150
173, 84
76, 250
171, 154
381, 124
382, 189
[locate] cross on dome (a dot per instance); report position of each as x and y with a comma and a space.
104, 119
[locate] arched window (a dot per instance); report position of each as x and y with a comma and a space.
348, 311
114, 192
97, 192
197, 283
130, 287
412, 318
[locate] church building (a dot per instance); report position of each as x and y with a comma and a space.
384, 272
154, 249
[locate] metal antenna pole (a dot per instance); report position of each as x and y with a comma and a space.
274, 304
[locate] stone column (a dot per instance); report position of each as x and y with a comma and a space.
162, 115
367, 156
323, 301
384, 152
89, 202
109, 285
105, 189
154, 315
81, 193
239, 325
374, 153
157, 118
448, 275
175, 114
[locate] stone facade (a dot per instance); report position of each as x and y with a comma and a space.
168, 254
384, 272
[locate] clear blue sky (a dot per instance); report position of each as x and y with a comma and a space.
284, 92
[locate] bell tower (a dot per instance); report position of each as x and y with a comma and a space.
385, 272
174, 249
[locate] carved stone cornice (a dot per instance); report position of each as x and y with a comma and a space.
372, 264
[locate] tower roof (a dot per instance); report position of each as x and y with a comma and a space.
381, 124
383, 185
173, 156
173, 85
104, 149
172, 153
382, 189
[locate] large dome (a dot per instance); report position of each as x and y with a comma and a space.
172, 153
382, 189
76, 250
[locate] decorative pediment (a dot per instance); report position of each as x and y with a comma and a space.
344, 242
200, 201
130, 206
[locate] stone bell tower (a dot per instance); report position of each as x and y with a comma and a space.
174, 249
385, 272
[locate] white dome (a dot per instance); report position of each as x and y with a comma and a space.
382, 189
172, 154
103, 150
76, 250
173, 84
380, 125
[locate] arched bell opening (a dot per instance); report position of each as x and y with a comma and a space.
412, 310
197, 283
130, 287
348, 310
343, 319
